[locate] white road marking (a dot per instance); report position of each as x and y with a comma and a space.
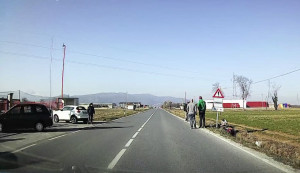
120, 154
75, 131
23, 148
56, 137
116, 159
129, 142
136, 133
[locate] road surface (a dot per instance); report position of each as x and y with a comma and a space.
152, 141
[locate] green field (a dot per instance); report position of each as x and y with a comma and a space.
285, 121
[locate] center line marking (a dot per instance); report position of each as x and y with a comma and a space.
136, 133
113, 163
129, 142
116, 159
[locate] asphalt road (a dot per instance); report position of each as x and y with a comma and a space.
152, 141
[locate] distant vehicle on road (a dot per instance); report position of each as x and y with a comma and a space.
26, 116
71, 113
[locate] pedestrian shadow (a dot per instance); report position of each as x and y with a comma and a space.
3, 135
7, 140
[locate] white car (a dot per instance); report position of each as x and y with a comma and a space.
71, 113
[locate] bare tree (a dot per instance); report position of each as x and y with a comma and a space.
275, 95
215, 86
244, 85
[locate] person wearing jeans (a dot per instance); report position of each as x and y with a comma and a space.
192, 111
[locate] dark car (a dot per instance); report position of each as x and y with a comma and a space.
26, 116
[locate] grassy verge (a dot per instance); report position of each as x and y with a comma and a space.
281, 140
111, 114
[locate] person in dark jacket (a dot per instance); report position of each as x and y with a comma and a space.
91, 112
185, 110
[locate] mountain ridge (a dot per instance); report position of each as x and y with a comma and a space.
105, 97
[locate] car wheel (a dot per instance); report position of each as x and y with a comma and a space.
73, 119
56, 119
39, 126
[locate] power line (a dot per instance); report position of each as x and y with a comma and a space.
100, 66
268, 79
284, 74
100, 56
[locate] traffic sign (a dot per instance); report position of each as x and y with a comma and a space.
218, 94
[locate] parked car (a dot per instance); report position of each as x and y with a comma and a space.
71, 113
26, 116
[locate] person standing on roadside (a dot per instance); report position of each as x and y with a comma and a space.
192, 111
185, 110
202, 108
91, 112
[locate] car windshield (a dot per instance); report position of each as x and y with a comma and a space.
162, 86
67, 108
80, 108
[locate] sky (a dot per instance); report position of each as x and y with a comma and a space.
164, 48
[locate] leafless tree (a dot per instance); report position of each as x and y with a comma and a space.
275, 95
244, 84
215, 86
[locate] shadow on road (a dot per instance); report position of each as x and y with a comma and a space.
8, 161
6, 140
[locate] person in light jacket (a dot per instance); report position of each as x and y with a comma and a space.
192, 111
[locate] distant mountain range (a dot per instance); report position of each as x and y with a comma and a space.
146, 99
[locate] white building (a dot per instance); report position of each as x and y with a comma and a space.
209, 103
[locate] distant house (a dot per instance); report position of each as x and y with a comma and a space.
127, 104
61, 102
100, 105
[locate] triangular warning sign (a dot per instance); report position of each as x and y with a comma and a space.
218, 94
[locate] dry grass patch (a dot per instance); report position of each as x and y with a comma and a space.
111, 114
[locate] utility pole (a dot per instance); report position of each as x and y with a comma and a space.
62, 79
268, 92
262, 100
51, 51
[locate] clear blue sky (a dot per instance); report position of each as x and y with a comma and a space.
159, 47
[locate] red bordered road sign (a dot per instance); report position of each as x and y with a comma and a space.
218, 94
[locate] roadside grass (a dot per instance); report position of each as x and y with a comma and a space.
281, 140
111, 114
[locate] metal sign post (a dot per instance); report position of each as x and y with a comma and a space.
218, 104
